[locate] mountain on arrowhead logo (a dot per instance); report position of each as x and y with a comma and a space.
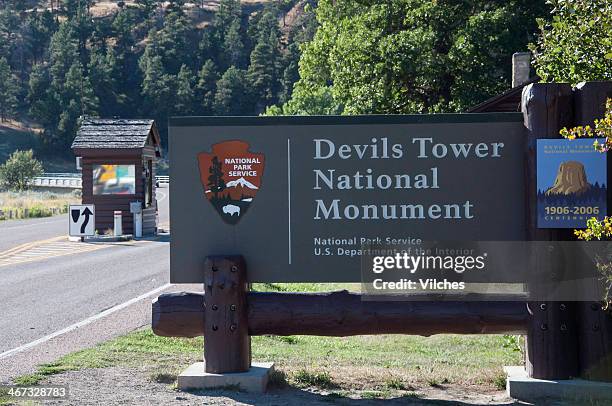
231, 177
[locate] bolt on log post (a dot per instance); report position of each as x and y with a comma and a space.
227, 344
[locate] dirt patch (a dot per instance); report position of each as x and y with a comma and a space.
120, 385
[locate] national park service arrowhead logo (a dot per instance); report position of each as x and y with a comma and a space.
231, 177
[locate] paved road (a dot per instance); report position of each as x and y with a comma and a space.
43, 296
17, 232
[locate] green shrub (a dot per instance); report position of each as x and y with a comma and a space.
19, 170
39, 211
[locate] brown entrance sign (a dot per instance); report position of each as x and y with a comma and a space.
452, 177
333, 184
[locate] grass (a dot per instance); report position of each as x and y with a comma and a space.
396, 383
385, 364
32, 204
361, 366
5, 398
500, 381
307, 379
305, 287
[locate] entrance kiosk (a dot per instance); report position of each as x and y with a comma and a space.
118, 158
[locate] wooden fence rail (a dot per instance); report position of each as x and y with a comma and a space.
342, 314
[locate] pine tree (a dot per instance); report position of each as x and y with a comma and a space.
9, 25
78, 100
66, 93
232, 98
102, 80
229, 11
208, 48
63, 52
290, 72
233, 46
78, 16
206, 87
173, 41
185, 96
71, 8
8, 91
263, 71
157, 89
39, 98
125, 63
41, 27
156, 84
148, 6
78, 88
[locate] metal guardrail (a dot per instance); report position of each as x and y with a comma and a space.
74, 181
162, 179
62, 174
59, 180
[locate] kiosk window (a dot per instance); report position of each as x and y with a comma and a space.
114, 179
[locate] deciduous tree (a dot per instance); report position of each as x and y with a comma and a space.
577, 44
409, 56
19, 170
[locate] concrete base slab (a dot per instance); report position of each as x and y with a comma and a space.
254, 380
109, 238
519, 386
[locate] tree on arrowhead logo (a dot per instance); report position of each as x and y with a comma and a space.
231, 177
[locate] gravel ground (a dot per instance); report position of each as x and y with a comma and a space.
129, 386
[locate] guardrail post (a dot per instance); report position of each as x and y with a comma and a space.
227, 344
552, 333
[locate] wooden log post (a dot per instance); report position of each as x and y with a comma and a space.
340, 314
552, 334
595, 324
227, 344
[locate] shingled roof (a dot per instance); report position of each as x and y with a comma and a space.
115, 133
506, 102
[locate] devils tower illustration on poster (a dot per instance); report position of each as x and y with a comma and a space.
571, 183
231, 177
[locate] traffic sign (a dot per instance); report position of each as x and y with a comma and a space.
82, 220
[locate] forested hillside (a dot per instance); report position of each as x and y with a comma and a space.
60, 59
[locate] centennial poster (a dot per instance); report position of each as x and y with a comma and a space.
571, 182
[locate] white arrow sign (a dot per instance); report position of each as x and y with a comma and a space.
82, 219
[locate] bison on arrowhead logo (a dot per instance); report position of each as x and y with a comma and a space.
231, 177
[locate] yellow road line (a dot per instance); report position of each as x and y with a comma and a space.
51, 248
27, 246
